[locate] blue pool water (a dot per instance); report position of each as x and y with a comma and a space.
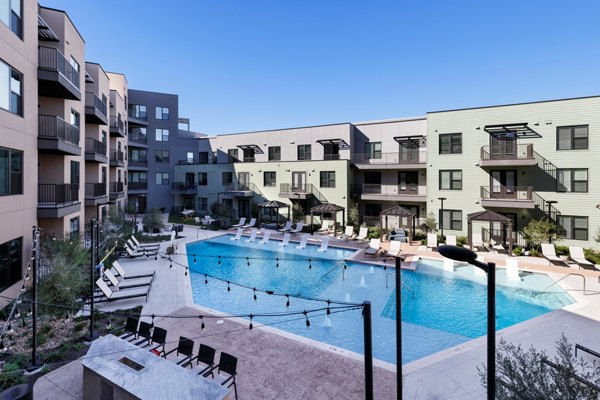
441, 310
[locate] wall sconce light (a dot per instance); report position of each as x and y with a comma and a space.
260, 170
477, 164
536, 123
548, 122
477, 127
313, 170
287, 170
292, 142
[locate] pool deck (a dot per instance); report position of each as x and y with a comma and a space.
273, 365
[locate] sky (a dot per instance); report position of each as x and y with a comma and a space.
241, 66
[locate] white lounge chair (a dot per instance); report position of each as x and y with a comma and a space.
287, 227
549, 253
238, 234
121, 271
577, 255
119, 284
324, 244
448, 264
394, 249
303, 241
252, 237
298, 228
149, 249
374, 247
363, 232
239, 224
498, 247
450, 240
265, 238
198, 220
142, 245
324, 226
432, 241
478, 242
109, 295
136, 253
348, 233
286, 240
250, 224
187, 213
512, 270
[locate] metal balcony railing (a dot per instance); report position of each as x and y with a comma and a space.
511, 193
249, 159
57, 195
137, 115
53, 60
93, 146
387, 190
138, 162
183, 187
238, 187
93, 190
387, 158
117, 155
515, 152
142, 139
305, 188
331, 156
93, 102
116, 187
137, 186
51, 126
117, 124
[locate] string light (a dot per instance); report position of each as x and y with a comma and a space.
254, 294
186, 271
194, 259
309, 263
202, 325
277, 265
205, 279
307, 321
228, 288
152, 322
328, 307
287, 303
251, 326
108, 324
219, 260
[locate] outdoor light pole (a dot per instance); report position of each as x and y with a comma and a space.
34, 364
398, 282
442, 214
92, 274
465, 255
368, 338
549, 203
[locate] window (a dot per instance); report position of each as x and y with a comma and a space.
137, 156
189, 157
75, 65
327, 179
304, 152
232, 155
572, 180
202, 204
451, 143
275, 153
202, 178
248, 155
408, 181
270, 178
103, 139
10, 89
74, 228
75, 173
137, 177
10, 15
162, 178
451, 180
138, 111
162, 112
10, 263
331, 151
451, 219
138, 135
162, 156
373, 150
227, 178
372, 210
572, 137
162, 135
11, 172
203, 157
575, 228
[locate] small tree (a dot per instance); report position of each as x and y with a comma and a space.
526, 374
540, 231
597, 237
115, 226
297, 212
153, 221
430, 223
354, 216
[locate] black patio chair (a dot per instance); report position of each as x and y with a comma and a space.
206, 356
159, 338
227, 364
185, 348
145, 332
131, 328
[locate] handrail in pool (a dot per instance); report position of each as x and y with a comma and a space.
402, 283
566, 276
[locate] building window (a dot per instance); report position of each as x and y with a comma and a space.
327, 179
138, 135
162, 156
202, 204
137, 156
227, 178
162, 112
451, 180
232, 155
575, 228
270, 178
75, 173
10, 15
572, 180
162, 135
451, 219
275, 153
202, 178
203, 157
138, 177
11, 89
162, 178
10, 263
138, 111
451, 143
408, 181
373, 150
372, 210
74, 228
572, 137
189, 157
11, 172
304, 152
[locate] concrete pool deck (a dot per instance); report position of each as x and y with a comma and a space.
274, 366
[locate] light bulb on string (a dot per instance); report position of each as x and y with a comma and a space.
328, 305
247, 261
228, 287
10, 328
287, 303
309, 263
194, 259
186, 270
219, 263
277, 265
307, 321
202, 326
205, 279
108, 324
152, 322
254, 294
251, 326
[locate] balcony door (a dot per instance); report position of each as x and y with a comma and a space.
189, 179
299, 181
243, 180
408, 182
503, 148
503, 183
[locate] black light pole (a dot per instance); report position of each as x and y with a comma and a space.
368, 337
398, 328
34, 364
92, 275
442, 214
465, 255
549, 203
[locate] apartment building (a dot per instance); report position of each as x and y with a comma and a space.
117, 187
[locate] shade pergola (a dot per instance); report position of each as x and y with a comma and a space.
327, 208
399, 212
272, 205
490, 216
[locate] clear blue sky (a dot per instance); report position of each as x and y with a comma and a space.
252, 65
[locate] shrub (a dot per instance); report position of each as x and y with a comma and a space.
562, 250
462, 240
592, 256
534, 253
374, 232
153, 221
518, 251
354, 216
430, 223
11, 375
297, 212
540, 231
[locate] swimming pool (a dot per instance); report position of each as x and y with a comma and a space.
441, 310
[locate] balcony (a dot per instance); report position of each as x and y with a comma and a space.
117, 158
249, 159
137, 141
57, 136
507, 196
57, 200
116, 190
95, 109
517, 155
240, 189
56, 76
404, 192
117, 127
95, 151
95, 194
183, 188
390, 161
140, 119
294, 191
137, 163
331, 156
137, 187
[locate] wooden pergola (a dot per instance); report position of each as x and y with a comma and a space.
327, 208
399, 212
490, 216
272, 205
